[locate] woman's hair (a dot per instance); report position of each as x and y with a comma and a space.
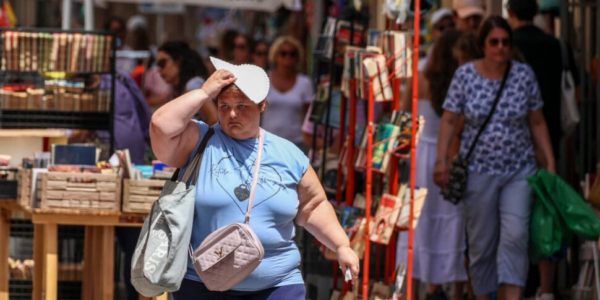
468, 47
440, 68
491, 23
189, 62
274, 51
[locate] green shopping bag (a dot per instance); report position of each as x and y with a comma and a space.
559, 211
577, 214
547, 231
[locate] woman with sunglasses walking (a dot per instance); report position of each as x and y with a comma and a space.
497, 199
182, 68
291, 92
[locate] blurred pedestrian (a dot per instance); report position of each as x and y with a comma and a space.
181, 67
543, 53
236, 47
260, 54
291, 92
468, 14
497, 199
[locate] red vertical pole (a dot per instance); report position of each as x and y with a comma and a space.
413, 152
391, 258
390, 254
350, 149
368, 191
396, 93
340, 169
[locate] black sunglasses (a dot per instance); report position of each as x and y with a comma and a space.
288, 53
495, 42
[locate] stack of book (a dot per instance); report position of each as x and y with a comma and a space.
55, 52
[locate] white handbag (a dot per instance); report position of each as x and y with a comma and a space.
569, 113
232, 252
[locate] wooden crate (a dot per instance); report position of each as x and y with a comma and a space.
81, 191
138, 195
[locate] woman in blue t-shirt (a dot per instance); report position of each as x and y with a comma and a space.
288, 190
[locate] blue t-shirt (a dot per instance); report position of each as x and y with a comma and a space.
227, 164
505, 145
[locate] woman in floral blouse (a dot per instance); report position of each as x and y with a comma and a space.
498, 199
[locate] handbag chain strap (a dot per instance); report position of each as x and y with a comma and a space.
489, 116
261, 140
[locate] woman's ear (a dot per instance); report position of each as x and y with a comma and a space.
263, 106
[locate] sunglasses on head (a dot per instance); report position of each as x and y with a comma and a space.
161, 63
495, 42
288, 53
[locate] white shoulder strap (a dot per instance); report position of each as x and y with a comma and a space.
261, 140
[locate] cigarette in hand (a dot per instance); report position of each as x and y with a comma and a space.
348, 275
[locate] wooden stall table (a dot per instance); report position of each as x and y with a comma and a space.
6, 206
98, 269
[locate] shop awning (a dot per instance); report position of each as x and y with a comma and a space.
260, 5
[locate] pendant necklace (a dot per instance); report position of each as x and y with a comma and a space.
242, 191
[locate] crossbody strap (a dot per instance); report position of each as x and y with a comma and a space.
261, 140
255, 172
489, 116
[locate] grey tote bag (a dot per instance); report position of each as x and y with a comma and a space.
161, 254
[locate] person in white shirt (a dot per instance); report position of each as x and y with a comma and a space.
291, 92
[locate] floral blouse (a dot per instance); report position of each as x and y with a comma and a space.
505, 146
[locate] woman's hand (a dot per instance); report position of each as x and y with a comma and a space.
347, 259
216, 82
441, 173
551, 168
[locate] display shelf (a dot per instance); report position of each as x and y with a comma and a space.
55, 119
46, 54
36, 73
50, 133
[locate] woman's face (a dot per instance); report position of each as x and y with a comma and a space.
239, 116
497, 46
260, 57
241, 50
167, 68
287, 56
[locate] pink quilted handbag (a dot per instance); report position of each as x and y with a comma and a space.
232, 252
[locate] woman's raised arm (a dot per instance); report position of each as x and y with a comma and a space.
173, 134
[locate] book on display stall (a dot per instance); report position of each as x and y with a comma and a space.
385, 219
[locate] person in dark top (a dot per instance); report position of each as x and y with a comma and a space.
543, 53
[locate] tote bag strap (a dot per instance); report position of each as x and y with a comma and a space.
196, 160
191, 171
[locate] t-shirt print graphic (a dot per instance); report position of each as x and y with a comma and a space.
235, 179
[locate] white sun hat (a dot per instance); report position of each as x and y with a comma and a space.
252, 80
